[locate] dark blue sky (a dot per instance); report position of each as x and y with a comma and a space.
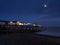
31, 11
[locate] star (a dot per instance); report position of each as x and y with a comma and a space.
45, 5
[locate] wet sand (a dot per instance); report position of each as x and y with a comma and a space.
27, 39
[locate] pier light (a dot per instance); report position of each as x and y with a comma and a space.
29, 23
11, 22
18, 22
25, 24
21, 24
34, 24
39, 25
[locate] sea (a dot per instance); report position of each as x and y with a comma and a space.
50, 31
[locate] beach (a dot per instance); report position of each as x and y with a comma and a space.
23, 38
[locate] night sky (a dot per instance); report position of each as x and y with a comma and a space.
31, 11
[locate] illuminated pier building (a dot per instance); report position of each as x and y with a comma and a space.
17, 26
